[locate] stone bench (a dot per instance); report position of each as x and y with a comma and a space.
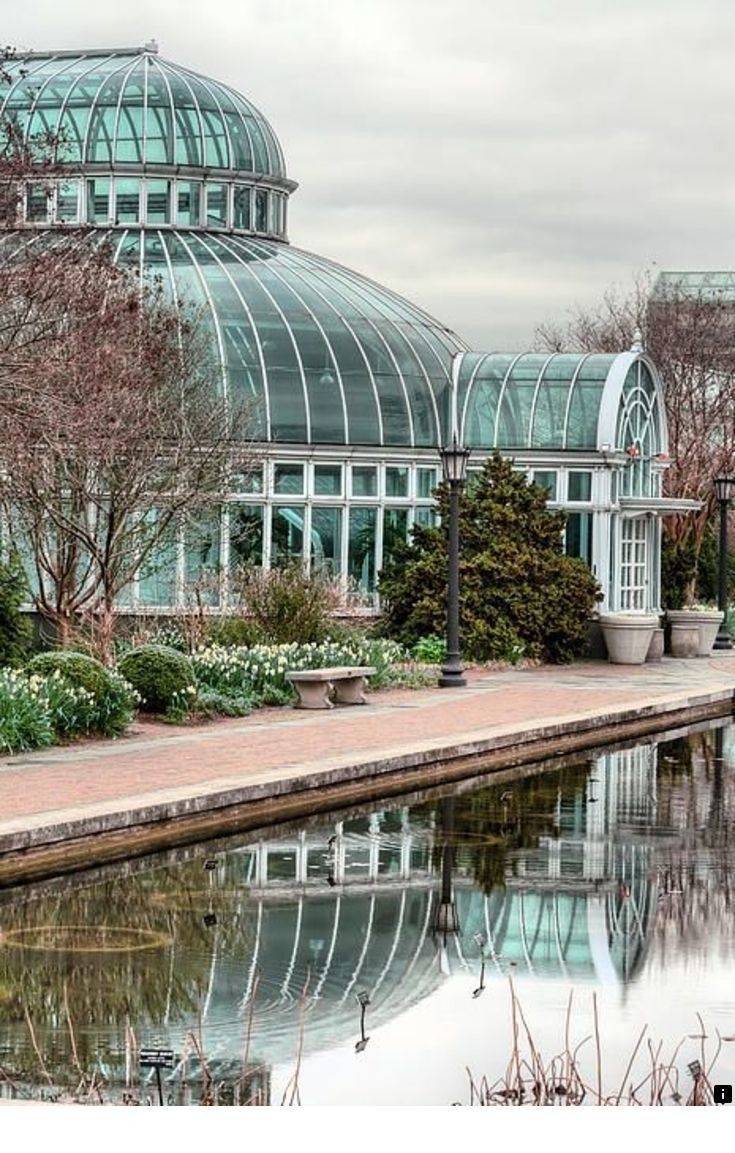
315, 685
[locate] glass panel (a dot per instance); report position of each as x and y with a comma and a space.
584, 406
395, 530
579, 535
287, 535
158, 201
288, 478
425, 516
551, 402
579, 486
37, 202
273, 212
98, 201
281, 865
216, 205
188, 202
515, 409
250, 481
128, 126
326, 539
159, 135
288, 414
246, 535
157, 583
67, 201
425, 483
361, 555
202, 556
241, 217
364, 480
546, 480
188, 128
261, 210
327, 480
396, 481
485, 378
127, 201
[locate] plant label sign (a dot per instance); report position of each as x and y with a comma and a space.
156, 1058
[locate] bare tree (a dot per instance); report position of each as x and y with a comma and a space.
113, 421
112, 427
691, 338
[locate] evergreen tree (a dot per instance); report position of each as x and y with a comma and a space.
14, 626
520, 595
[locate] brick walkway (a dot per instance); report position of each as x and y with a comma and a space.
157, 762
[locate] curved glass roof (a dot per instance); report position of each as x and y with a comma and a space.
539, 401
130, 107
326, 355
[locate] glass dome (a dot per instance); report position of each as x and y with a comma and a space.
328, 356
186, 180
325, 355
130, 107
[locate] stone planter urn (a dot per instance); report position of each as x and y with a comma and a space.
656, 647
628, 636
693, 631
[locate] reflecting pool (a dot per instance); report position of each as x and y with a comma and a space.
366, 958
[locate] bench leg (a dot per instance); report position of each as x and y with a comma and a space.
350, 691
313, 695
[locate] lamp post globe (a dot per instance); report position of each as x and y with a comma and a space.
724, 487
454, 470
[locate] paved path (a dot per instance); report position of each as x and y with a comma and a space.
276, 751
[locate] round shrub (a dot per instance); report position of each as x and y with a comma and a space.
162, 676
102, 703
78, 668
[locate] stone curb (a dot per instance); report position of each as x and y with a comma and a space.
511, 746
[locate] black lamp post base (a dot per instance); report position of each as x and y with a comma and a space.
452, 678
723, 640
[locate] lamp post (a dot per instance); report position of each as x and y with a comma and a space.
454, 469
724, 491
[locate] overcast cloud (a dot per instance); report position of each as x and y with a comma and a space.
497, 162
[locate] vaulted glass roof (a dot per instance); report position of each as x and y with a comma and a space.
132, 107
540, 401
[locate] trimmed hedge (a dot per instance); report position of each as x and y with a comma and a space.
163, 677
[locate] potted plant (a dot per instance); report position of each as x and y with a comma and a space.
693, 630
628, 636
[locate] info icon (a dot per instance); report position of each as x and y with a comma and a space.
723, 1094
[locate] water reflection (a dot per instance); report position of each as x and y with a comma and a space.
586, 874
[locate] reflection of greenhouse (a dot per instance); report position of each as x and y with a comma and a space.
351, 385
329, 913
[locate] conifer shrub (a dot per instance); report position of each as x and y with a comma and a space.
15, 631
520, 595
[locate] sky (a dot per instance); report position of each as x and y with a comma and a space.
500, 162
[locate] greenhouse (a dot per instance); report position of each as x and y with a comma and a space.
352, 388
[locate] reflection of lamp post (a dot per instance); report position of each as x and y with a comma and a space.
724, 491
481, 941
446, 921
454, 468
363, 1000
